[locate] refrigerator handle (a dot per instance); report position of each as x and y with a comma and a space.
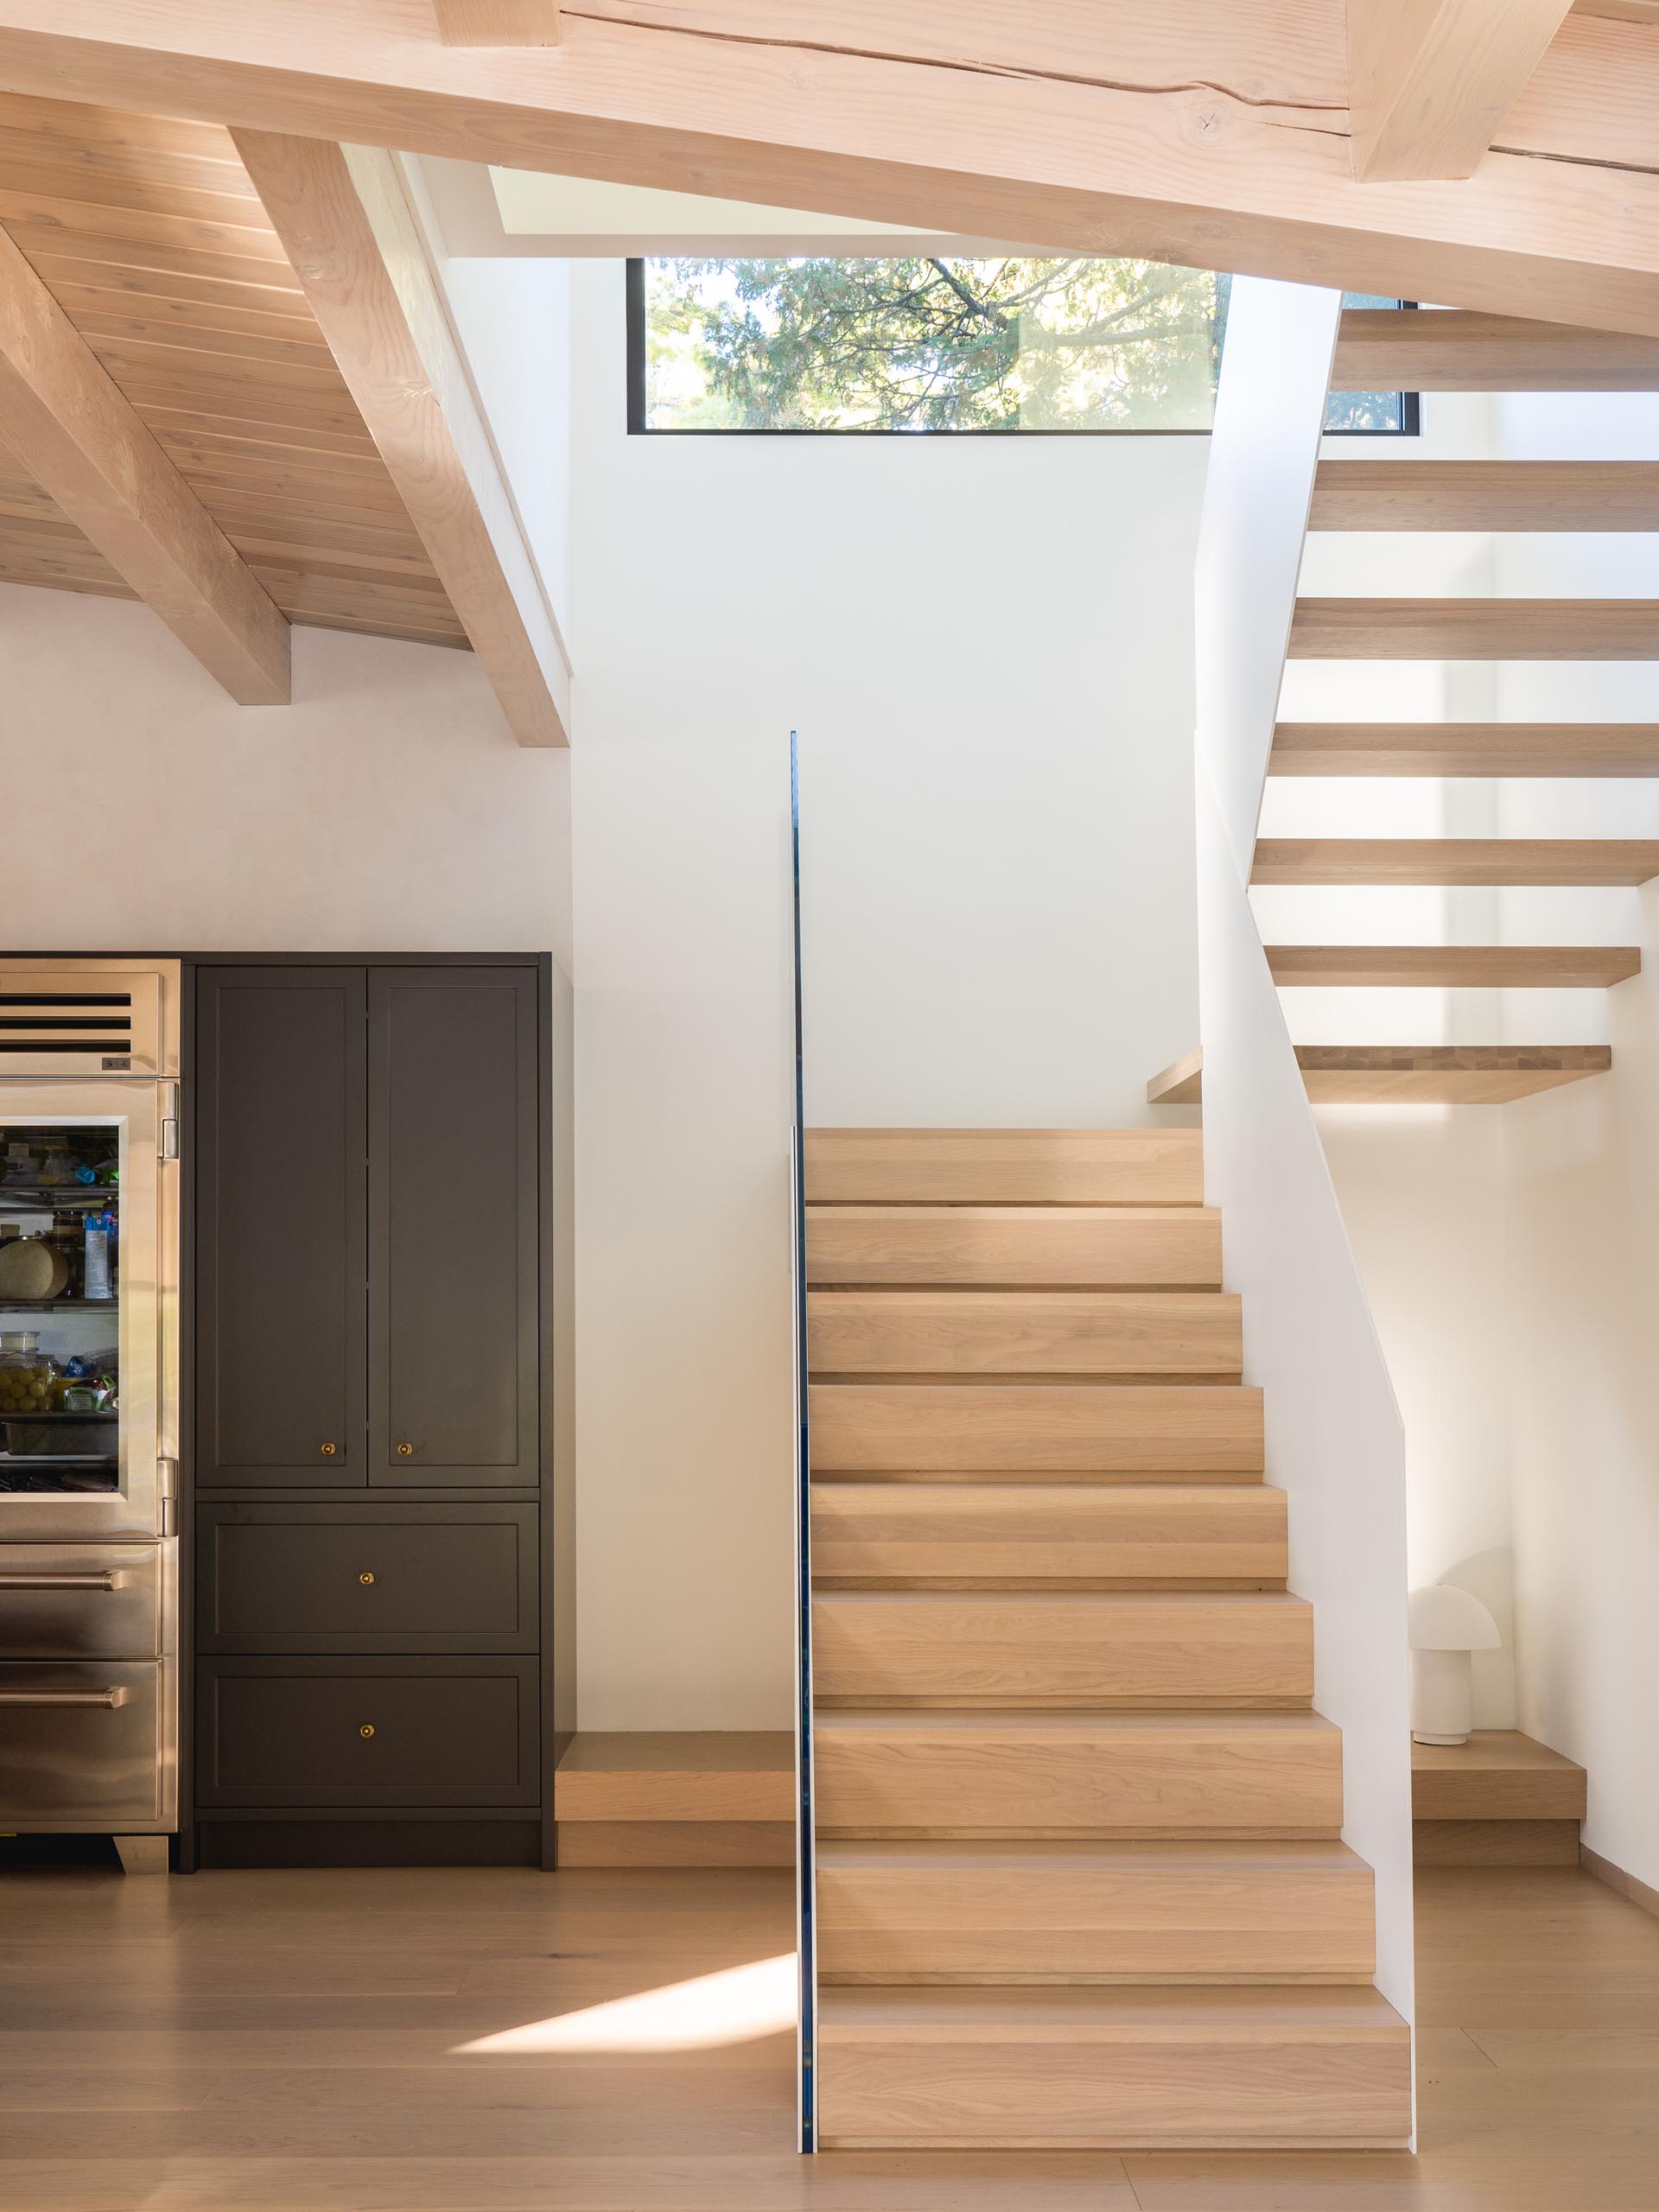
169, 1138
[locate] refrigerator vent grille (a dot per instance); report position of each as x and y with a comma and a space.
41, 1023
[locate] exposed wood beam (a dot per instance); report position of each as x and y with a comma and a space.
1212, 134
348, 229
88, 447
498, 23
1430, 81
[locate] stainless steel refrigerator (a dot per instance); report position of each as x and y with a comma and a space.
89, 1400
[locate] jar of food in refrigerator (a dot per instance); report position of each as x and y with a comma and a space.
30, 1380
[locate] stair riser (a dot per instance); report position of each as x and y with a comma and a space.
1063, 2093
1183, 1651
859, 1428
983, 1782
1036, 1534
943, 1925
1024, 1332
1013, 1248
1005, 1167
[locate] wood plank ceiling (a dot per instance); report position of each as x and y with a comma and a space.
149, 233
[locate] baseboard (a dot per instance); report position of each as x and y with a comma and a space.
1627, 1885
676, 1843
1495, 1843
370, 1843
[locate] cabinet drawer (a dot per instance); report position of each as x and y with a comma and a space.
80, 1743
81, 1601
366, 1578
392, 1734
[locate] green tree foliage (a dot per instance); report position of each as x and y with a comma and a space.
933, 344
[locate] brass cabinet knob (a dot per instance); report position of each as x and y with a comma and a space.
366, 1577
405, 1451
328, 1450
367, 1729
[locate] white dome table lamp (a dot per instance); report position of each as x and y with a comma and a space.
1447, 1625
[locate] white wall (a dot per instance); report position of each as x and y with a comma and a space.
389, 808
985, 645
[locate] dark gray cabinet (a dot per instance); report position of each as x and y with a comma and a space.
452, 1227
371, 1355
281, 1318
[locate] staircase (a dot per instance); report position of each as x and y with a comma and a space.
1079, 1876
1444, 350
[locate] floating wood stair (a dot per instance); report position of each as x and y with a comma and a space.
1499, 1800
1411, 1075
1452, 967
1475, 629
1526, 495
1147, 2067
1238, 1911
1079, 1880
1465, 749
676, 1798
1446, 350
1488, 862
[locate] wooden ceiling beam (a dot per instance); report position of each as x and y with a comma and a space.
1199, 134
1430, 81
87, 446
341, 214
498, 23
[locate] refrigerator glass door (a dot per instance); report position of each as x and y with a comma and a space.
88, 1284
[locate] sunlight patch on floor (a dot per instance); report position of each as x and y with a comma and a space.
738, 2005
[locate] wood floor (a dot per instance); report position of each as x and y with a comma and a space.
287, 2042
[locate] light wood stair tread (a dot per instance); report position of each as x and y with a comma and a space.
1499, 1773
1007, 1166
903, 1331
1475, 629
1035, 1427
982, 1649
1486, 495
962, 1534
1404, 1075
1111, 2067
1485, 967
1014, 1247
1493, 862
1307, 1859
1465, 749
1454, 350
677, 1774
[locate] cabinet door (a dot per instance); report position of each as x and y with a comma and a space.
453, 1220
281, 1227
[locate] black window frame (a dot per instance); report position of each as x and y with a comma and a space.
1411, 422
